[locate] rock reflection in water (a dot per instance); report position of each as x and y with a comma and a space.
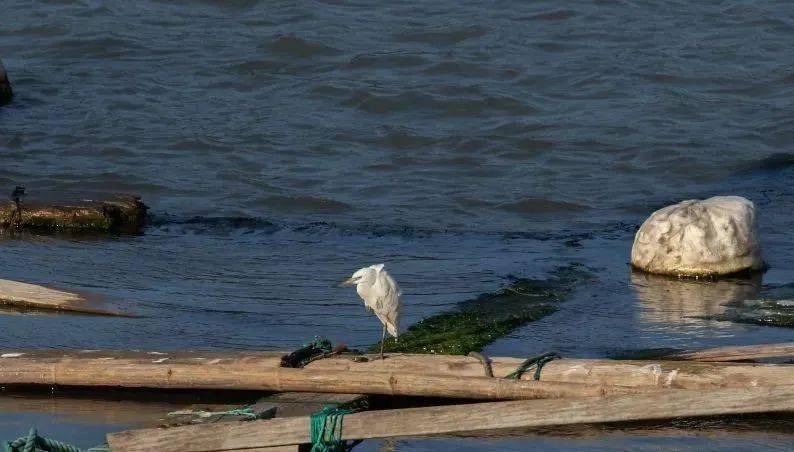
673, 301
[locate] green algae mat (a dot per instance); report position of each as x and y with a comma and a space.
473, 324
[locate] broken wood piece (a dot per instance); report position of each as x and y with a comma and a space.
739, 353
26, 296
465, 418
114, 213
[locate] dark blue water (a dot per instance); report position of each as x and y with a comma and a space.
282, 146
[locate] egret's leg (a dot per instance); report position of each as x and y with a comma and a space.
382, 340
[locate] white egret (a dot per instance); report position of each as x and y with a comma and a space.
381, 295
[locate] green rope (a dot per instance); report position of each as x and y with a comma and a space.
318, 348
33, 443
536, 361
326, 430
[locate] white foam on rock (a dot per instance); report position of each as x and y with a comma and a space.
712, 237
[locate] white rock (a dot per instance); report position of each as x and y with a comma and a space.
716, 236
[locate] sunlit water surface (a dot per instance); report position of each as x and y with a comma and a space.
282, 146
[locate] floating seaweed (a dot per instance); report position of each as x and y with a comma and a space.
473, 324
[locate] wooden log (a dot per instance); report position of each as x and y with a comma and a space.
673, 374
254, 370
23, 296
739, 353
166, 373
463, 418
114, 213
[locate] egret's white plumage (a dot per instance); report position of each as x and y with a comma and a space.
381, 295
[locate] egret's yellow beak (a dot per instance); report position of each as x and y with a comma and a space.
347, 283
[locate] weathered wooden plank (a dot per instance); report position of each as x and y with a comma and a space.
29, 296
464, 418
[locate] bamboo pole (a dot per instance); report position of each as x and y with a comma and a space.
673, 374
255, 370
122, 373
462, 419
739, 353
29, 296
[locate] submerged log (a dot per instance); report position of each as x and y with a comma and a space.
117, 213
465, 418
23, 296
5, 86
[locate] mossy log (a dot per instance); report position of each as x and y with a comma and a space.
119, 213
5, 86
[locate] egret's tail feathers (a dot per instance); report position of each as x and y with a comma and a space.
392, 329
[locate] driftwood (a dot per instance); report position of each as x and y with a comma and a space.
463, 419
739, 353
23, 296
116, 213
